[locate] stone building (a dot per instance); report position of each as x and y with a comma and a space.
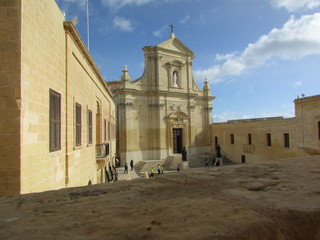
56, 111
164, 110
254, 140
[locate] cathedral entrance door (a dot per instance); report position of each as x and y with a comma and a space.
177, 140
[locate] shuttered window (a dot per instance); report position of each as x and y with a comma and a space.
286, 140
90, 126
249, 139
269, 139
109, 130
78, 124
55, 121
232, 138
105, 129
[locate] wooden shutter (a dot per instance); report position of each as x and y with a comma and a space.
90, 126
55, 121
78, 124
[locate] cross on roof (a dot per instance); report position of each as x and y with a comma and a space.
172, 27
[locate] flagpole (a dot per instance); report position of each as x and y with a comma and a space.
88, 24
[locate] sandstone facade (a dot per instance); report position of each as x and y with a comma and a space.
163, 110
57, 113
254, 140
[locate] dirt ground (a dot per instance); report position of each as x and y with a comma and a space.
274, 200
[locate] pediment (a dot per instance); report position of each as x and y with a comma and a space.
174, 44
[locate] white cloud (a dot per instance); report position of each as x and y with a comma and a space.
226, 116
297, 84
121, 3
118, 4
223, 117
285, 114
161, 31
296, 39
295, 5
123, 24
185, 19
224, 57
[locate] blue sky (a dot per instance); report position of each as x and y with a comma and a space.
258, 55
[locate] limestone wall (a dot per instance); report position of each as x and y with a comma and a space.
258, 150
303, 130
10, 98
85, 88
308, 122
42, 69
48, 54
146, 128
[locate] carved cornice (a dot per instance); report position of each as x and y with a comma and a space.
156, 105
125, 104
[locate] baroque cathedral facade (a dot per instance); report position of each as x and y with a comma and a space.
164, 110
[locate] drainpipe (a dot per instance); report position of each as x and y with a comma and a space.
66, 113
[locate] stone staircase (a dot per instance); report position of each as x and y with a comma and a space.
142, 167
138, 168
198, 160
172, 162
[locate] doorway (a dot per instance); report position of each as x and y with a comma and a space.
243, 158
177, 140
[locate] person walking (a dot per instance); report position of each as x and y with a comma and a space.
159, 169
115, 174
152, 172
126, 168
206, 163
131, 164
162, 169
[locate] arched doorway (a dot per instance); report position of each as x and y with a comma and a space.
177, 131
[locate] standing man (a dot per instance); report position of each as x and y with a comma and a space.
218, 151
131, 164
184, 153
126, 168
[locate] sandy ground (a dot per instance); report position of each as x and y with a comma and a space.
275, 200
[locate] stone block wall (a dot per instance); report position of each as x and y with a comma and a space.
10, 98
258, 150
42, 69
38, 53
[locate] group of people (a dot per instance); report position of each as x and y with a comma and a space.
126, 167
215, 161
112, 174
160, 169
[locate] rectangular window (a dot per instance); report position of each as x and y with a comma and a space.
105, 129
269, 139
78, 124
90, 126
109, 130
232, 138
55, 121
286, 140
249, 139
